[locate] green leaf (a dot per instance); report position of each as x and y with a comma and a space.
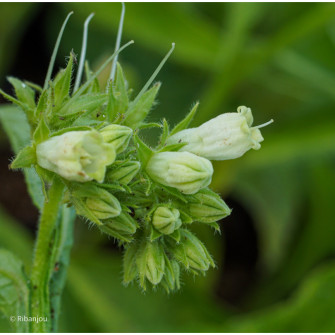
22, 105
183, 124
62, 83
14, 291
86, 103
17, 128
42, 132
23, 92
165, 133
137, 112
144, 152
25, 158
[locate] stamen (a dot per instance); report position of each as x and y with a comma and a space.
152, 78
118, 42
83, 53
264, 124
53, 57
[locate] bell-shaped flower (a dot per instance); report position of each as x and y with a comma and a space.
182, 170
227, 136
76, 155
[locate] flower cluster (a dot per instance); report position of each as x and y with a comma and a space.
146, 198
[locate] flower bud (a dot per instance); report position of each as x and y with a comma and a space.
117, 135
76, 155
124, 173
192, 253
122, 224
227, 136
166, 220
182, 170
206, 206
150, 262
105, 206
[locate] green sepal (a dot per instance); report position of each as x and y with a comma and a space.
42, 105
150, 125
94, 86
172, 191
139, 110
173, 147
171, 276
183, 124
25, 158
118, 100
165, 134
45, 177
62, 83
214, 225
154, 234
185, 218
42, 132
23, 92
129, 263
176, 235
144, 152
66, 130
150, 263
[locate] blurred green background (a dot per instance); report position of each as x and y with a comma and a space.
276, 253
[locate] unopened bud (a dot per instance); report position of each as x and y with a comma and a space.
150, 262
117, 135
182, 170
76, 155
124, 173
206, 206
122, 224
192, 252
105, 206
166, 220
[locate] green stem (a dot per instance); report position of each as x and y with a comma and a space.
40, 274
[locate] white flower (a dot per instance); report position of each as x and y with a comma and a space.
227, 136
182, 170
76, 155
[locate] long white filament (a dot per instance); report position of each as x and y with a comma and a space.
264, 124
54, 54
118, 42
83, 54
152, 78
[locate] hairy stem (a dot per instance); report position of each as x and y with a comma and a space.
40, 274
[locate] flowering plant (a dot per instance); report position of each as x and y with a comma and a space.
87, 150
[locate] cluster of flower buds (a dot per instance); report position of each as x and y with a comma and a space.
146, 198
